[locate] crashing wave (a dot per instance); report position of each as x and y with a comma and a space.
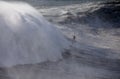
26, 37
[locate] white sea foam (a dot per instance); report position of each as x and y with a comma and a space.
26, 37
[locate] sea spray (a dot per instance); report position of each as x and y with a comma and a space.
26, 37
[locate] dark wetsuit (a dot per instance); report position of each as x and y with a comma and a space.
74, 37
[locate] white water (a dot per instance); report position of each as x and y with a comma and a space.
26, 37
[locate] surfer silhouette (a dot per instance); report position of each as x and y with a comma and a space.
73, 38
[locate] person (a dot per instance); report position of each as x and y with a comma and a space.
74, 37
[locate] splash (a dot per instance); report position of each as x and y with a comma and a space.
26, 37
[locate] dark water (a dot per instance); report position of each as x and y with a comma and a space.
57, 2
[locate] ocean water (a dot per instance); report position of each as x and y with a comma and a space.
56, 2
93, 53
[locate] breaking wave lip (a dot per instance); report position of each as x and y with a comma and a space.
26, 37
